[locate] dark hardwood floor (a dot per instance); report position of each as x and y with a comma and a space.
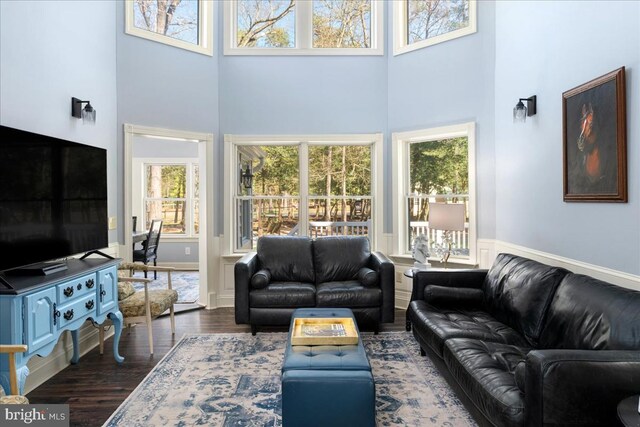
97, 385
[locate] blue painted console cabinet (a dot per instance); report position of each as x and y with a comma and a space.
36, 310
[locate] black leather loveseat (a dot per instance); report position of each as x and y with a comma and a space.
290, 272
530, 344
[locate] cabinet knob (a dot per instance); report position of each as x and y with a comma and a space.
68, 291
79, 286
90, 283
68, 315
89, 304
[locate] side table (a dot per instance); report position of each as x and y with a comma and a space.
628, 411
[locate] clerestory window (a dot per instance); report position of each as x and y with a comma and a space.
303, 27
186, 24
421, 23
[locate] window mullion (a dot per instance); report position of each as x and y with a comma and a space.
303, 212
304, 24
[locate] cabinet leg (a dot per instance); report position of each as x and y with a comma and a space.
116, 319
76, 349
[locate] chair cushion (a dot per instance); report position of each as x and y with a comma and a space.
435, 325
261, 279
160, 301
13, 400
367, 276
485, 370
288, 258
518, 292
347, 294
339, 258
283, 295
125, 290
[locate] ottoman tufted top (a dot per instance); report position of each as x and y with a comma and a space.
325, 357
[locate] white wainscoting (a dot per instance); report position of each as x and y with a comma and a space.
619, 278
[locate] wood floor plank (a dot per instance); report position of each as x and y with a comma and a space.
95, 387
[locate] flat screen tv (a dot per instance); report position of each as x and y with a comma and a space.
53, 199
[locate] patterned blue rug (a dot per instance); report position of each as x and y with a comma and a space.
186, 283
234, 380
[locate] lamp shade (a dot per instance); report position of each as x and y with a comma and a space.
443, 216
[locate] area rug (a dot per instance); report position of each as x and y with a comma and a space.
234, 380
186, 283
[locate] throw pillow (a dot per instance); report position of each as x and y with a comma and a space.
261, 279
367, 276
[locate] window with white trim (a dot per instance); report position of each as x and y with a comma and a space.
186, 24
171, 193
303, 27
434, 166
421, 23
309, 185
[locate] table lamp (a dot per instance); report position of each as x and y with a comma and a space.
448, 218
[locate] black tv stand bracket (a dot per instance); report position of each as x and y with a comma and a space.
97, 252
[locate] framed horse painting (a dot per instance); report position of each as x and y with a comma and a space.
594, 133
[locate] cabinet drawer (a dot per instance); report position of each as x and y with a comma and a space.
76, 288
79, 309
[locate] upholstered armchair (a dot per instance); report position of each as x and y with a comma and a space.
145, 305
14, 397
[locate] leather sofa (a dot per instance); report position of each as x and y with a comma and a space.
530, 344
289, 272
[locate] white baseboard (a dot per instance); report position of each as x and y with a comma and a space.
43, 368
188, 266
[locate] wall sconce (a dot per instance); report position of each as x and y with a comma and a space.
87, 114
521, 111
246, 177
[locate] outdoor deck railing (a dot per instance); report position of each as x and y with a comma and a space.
460, 239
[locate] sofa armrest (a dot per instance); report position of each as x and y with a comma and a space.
450, 296
243, 270
578, 387
447, 278
386, 278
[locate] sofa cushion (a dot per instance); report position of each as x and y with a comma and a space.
288, 258
283, 295
367, 276
518, 292
347, 294
435, 325
339, 258
261, 279
589, 314
485, 370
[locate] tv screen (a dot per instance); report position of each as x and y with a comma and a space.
53, 198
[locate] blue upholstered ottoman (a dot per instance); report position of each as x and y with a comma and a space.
327, 385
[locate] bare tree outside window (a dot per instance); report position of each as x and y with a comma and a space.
431, 18
177, 19
342, 23
266, 23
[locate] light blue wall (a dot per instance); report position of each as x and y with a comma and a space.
449, 83
49, 52
544, 49
163, 86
